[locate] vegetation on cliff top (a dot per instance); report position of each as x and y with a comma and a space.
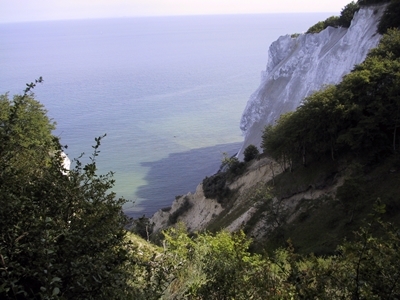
389, 19
344, 20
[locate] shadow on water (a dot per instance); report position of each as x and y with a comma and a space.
177, 174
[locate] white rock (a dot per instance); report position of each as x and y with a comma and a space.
299, 66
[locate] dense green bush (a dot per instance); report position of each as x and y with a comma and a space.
235, 169
62, 233
251, 152
317, 27
214, 187
347, 14
390, 18
344, 20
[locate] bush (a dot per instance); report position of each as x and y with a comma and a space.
344, 20
251, 152
142, 227
316, 28
347, 14
390, 18
236, 168
214, 187
62, 236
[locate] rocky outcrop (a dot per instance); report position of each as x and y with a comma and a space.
202, 211
197, 212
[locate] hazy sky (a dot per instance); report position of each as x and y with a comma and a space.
32, 10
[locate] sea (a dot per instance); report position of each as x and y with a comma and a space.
168, 92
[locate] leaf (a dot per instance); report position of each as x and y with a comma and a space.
56, 291
55, 279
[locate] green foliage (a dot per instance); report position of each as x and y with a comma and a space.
390, 18
351, 194
332, 21
236, 169
142, 227
214, 187
344, 20
373, 261
25, 134
61, 235
361, 114
220, 266
216, 267
347, 14
251, 152
316, 28
232, 166
276, 141
389, 46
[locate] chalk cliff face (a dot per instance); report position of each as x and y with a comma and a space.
298, 66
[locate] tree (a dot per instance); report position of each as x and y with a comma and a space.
216, 266
347, 14
61, 235
344, 20
278, 141
250, 153
390, 18
25, 135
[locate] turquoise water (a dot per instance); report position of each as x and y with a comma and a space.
167, 91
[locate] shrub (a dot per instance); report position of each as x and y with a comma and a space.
318, 27
346, 15
214, 187
62, 231
250, 153
390, 18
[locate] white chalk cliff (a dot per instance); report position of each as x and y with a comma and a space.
298, 66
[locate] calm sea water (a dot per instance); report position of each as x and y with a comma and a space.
167, 91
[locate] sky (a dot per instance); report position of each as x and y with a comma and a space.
38, 10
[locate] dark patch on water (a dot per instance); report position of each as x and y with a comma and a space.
178, 174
